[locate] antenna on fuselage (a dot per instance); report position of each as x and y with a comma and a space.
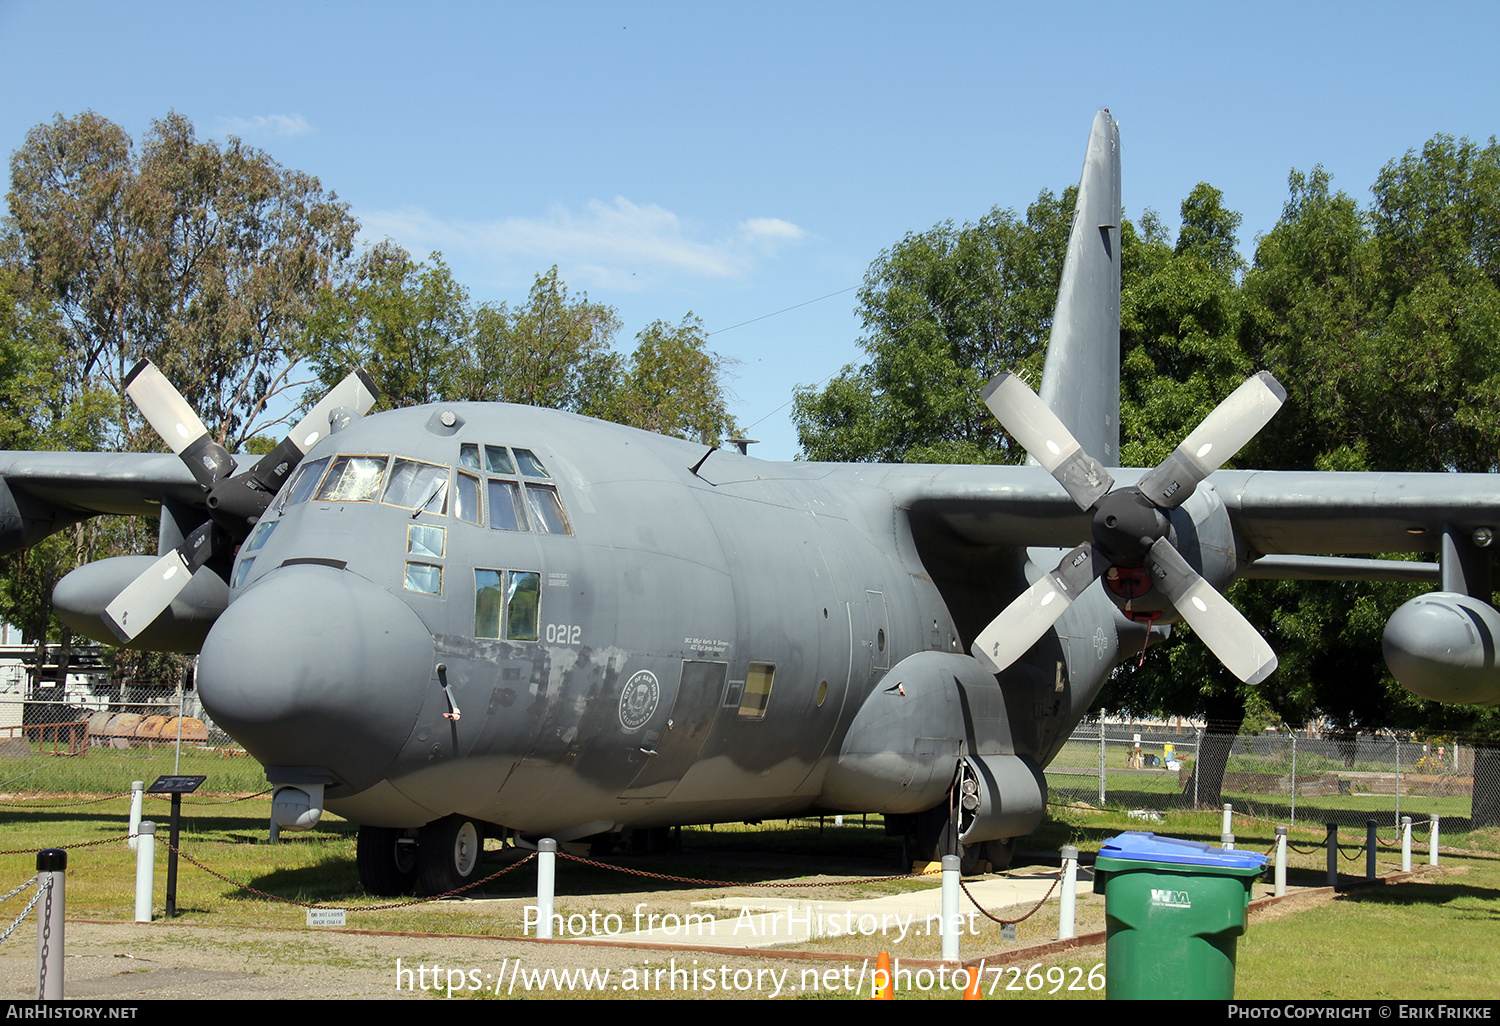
694, 468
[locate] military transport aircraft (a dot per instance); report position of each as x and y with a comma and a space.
468, 620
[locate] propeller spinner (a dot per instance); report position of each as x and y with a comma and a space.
235, 503
1130, 525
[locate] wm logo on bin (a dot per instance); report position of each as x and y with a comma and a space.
1171, 899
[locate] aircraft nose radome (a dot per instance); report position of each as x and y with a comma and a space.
317, 667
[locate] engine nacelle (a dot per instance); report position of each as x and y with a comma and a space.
1442, 646
901, 750
81, 596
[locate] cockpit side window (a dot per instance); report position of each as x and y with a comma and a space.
507, 512
466, 498
353, 479
511, 597
497, 460
530, 465
468, 455
308, 476
547, 508
523, 605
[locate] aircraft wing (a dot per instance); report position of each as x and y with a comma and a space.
1311, 512
42, 492
1272, 512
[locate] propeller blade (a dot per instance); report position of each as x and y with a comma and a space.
174, 420
1217, 437
1222, 627
1030, 616
357, 393
1021, 412
143, 599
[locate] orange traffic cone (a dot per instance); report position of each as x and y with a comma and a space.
972, 991
883, 985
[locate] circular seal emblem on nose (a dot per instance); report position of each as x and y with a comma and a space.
638, 700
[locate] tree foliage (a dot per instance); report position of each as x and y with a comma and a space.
1380, 322
414, 329
208, 259
942, 310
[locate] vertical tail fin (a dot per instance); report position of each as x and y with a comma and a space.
1081, 380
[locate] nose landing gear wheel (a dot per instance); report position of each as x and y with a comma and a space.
448, 854
387, 861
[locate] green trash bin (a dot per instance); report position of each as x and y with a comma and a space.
1173, 911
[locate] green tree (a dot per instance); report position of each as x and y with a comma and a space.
551, 351
672, 384
942, 311
408, 325
207, 259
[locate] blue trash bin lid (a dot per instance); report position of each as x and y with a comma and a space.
1142, 846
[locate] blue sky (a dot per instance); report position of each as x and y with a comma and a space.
735, 160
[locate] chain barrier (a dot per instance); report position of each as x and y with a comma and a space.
1011, 922
348, 908
25, 911
66, 805
69, 847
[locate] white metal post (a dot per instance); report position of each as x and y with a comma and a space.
145, 871
949, 925
1280, 859
546, 884
1066, 911
1432, 841
51, 868
1406, 844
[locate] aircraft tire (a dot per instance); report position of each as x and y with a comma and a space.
449, 852
999, 854
387, 868
936, 837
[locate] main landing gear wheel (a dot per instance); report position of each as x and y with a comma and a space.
936, 836
387, 861
448, 854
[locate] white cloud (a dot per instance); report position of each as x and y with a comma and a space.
771, 228
617, 245
279, 126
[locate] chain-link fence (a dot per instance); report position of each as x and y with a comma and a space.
92, 745
1288, 777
